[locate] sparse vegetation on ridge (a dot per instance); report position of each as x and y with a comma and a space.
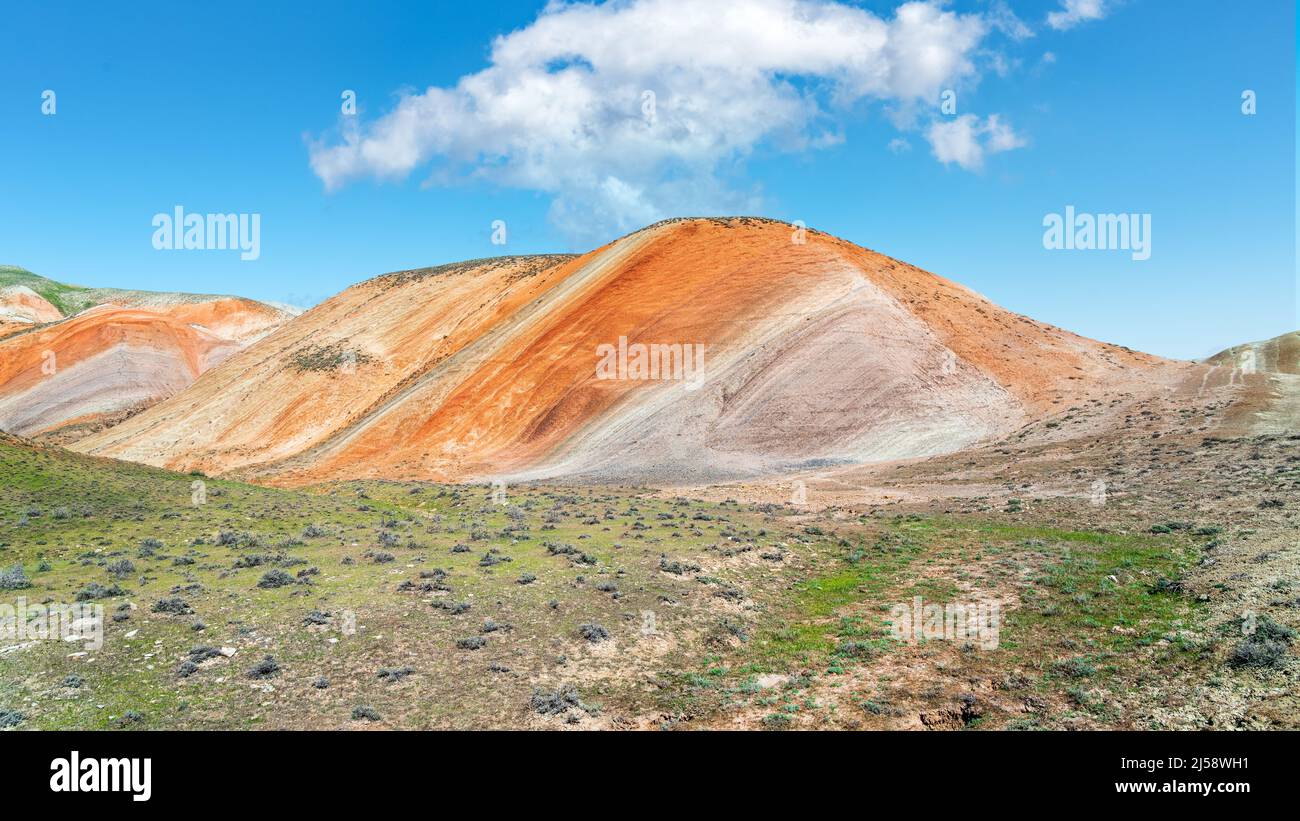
328, 357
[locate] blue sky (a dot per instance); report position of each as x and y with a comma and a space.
1133, 107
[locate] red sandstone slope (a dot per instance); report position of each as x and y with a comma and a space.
113, 358
815, 352
21, 308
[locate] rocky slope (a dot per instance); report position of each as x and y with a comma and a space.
1281, 354
1269, 373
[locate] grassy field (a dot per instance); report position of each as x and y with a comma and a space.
378, 604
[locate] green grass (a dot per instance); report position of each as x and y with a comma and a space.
836, 618
80, 515
808, 632
814, 608
1101, 580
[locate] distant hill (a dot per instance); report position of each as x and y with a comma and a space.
74, 359
72, 299
1281, 354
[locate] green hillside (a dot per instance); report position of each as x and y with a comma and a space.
64, 297
72, 299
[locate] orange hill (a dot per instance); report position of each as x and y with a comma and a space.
21, 308
814, 352
117, 357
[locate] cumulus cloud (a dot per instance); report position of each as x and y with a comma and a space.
1074, 12
967, 139
637, 109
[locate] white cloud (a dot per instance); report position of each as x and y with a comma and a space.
561, 108
1002, 18
1074, 12
967, 139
